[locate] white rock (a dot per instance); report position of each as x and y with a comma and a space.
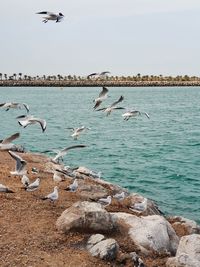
86, 216
148, 232
106, 249
188, 252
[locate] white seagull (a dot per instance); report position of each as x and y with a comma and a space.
52, 196
78, 131
119, 196
33, 186
51, 16
20, 168
6, 144
72, 187
24, 121
25, 180
112, 107
5, 189
133, 113
102, 96
105, 201
63, 152
10, 105
139, 206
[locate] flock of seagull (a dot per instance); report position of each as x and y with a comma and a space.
21, 164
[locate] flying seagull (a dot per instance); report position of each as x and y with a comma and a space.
63, 152
51, 16
73, 187
10, 105
24, 121
78, 131
112, 107
20, 168
5, 189
102, 96
33, 186
52, 196
6, 143
133, 113
93, 75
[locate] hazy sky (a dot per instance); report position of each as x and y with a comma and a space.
125, 37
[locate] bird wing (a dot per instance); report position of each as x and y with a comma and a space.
42, 123
9, 139
101, 109
47, 13
118, 101
2, 104
103, 92
26, 107
20, 163
71, 147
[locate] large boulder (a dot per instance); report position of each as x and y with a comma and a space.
149, 233
105, 249
188, 252
86, 216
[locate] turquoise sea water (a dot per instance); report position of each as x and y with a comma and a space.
156, 157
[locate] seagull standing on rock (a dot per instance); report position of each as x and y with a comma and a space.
105, 201
51, 16
33, 186
52, 196
73, 187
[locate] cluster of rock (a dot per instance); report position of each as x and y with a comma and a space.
148, 229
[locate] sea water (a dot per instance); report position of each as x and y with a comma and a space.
157, 157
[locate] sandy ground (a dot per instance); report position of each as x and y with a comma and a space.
28, 234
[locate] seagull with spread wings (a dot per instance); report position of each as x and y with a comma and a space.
133, 113
24, 121
78, 131
14, 105
64, 151
20, 168
112, 107
51, 16
6, 144
102, 96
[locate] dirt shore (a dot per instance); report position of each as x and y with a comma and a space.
28, 234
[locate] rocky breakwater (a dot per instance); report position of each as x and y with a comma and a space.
94, 223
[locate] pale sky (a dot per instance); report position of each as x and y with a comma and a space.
124, 37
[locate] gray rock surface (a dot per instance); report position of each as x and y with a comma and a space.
188, 252
149, 232
105, 249
86, 216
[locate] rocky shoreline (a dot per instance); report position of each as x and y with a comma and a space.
76, 230
96, 83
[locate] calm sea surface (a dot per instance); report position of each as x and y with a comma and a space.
157, 157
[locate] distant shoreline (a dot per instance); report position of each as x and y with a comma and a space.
95, 83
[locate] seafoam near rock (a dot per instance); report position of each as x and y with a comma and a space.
149, 232
188, 252
86, 216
